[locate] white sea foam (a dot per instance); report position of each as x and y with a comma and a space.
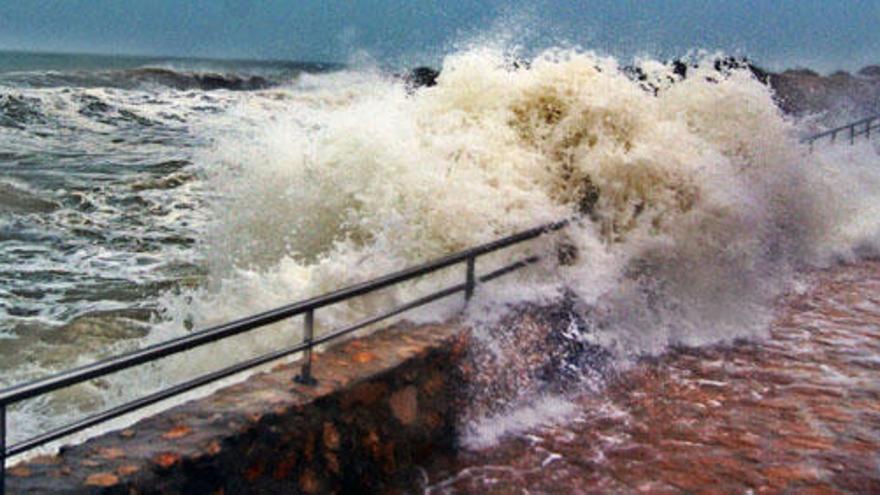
705, 198
706, 202
543, 411
701, 200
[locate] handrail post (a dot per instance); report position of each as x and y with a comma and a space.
2, 449
471, 278
868, 129
305, 376
852, 134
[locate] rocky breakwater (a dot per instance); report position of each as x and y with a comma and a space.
835, 98
382, 404
803, 92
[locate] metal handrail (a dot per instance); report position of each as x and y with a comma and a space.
307, 307
852, 130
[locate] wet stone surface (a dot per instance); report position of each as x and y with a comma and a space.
796, 413
382, 404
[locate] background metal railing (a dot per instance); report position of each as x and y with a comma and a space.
864, 127
307, 308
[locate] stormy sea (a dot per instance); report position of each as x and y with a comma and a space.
143, 198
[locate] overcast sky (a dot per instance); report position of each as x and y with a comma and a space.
824, 34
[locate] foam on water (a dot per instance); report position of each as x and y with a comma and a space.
544, 411
702, 189
695, 204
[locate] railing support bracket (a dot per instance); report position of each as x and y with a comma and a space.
471, 280
305, 375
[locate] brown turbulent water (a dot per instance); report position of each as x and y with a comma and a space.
796, 413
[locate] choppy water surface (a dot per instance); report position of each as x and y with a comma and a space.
142, 199
102, 198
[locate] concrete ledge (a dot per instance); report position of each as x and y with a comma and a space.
383, 404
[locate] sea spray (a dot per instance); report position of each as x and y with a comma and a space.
331, 194
694, 203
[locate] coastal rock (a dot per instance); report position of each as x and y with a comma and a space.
840, 95
872, 71
798, 91
534, 351
421, 77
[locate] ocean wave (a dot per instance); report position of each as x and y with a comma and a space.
148, 77
17, 198
18, 111
696, 200
159, 77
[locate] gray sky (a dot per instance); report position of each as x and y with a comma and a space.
824, 34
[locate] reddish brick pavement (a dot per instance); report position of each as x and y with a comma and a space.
797, 413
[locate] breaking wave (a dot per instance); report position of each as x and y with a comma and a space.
162, 77
695, 205
695, 199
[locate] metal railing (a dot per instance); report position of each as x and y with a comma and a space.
307, 308
864, 127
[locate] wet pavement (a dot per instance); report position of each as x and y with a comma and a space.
796, 413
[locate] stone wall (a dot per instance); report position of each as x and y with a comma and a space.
383, 404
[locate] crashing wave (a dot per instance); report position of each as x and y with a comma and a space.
696, 199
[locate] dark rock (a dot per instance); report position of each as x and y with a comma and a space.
421, 77
801, 72
727, 64
801, 91
521, 65
679, 68
840, 96
634, 73
870, 71
546, 349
